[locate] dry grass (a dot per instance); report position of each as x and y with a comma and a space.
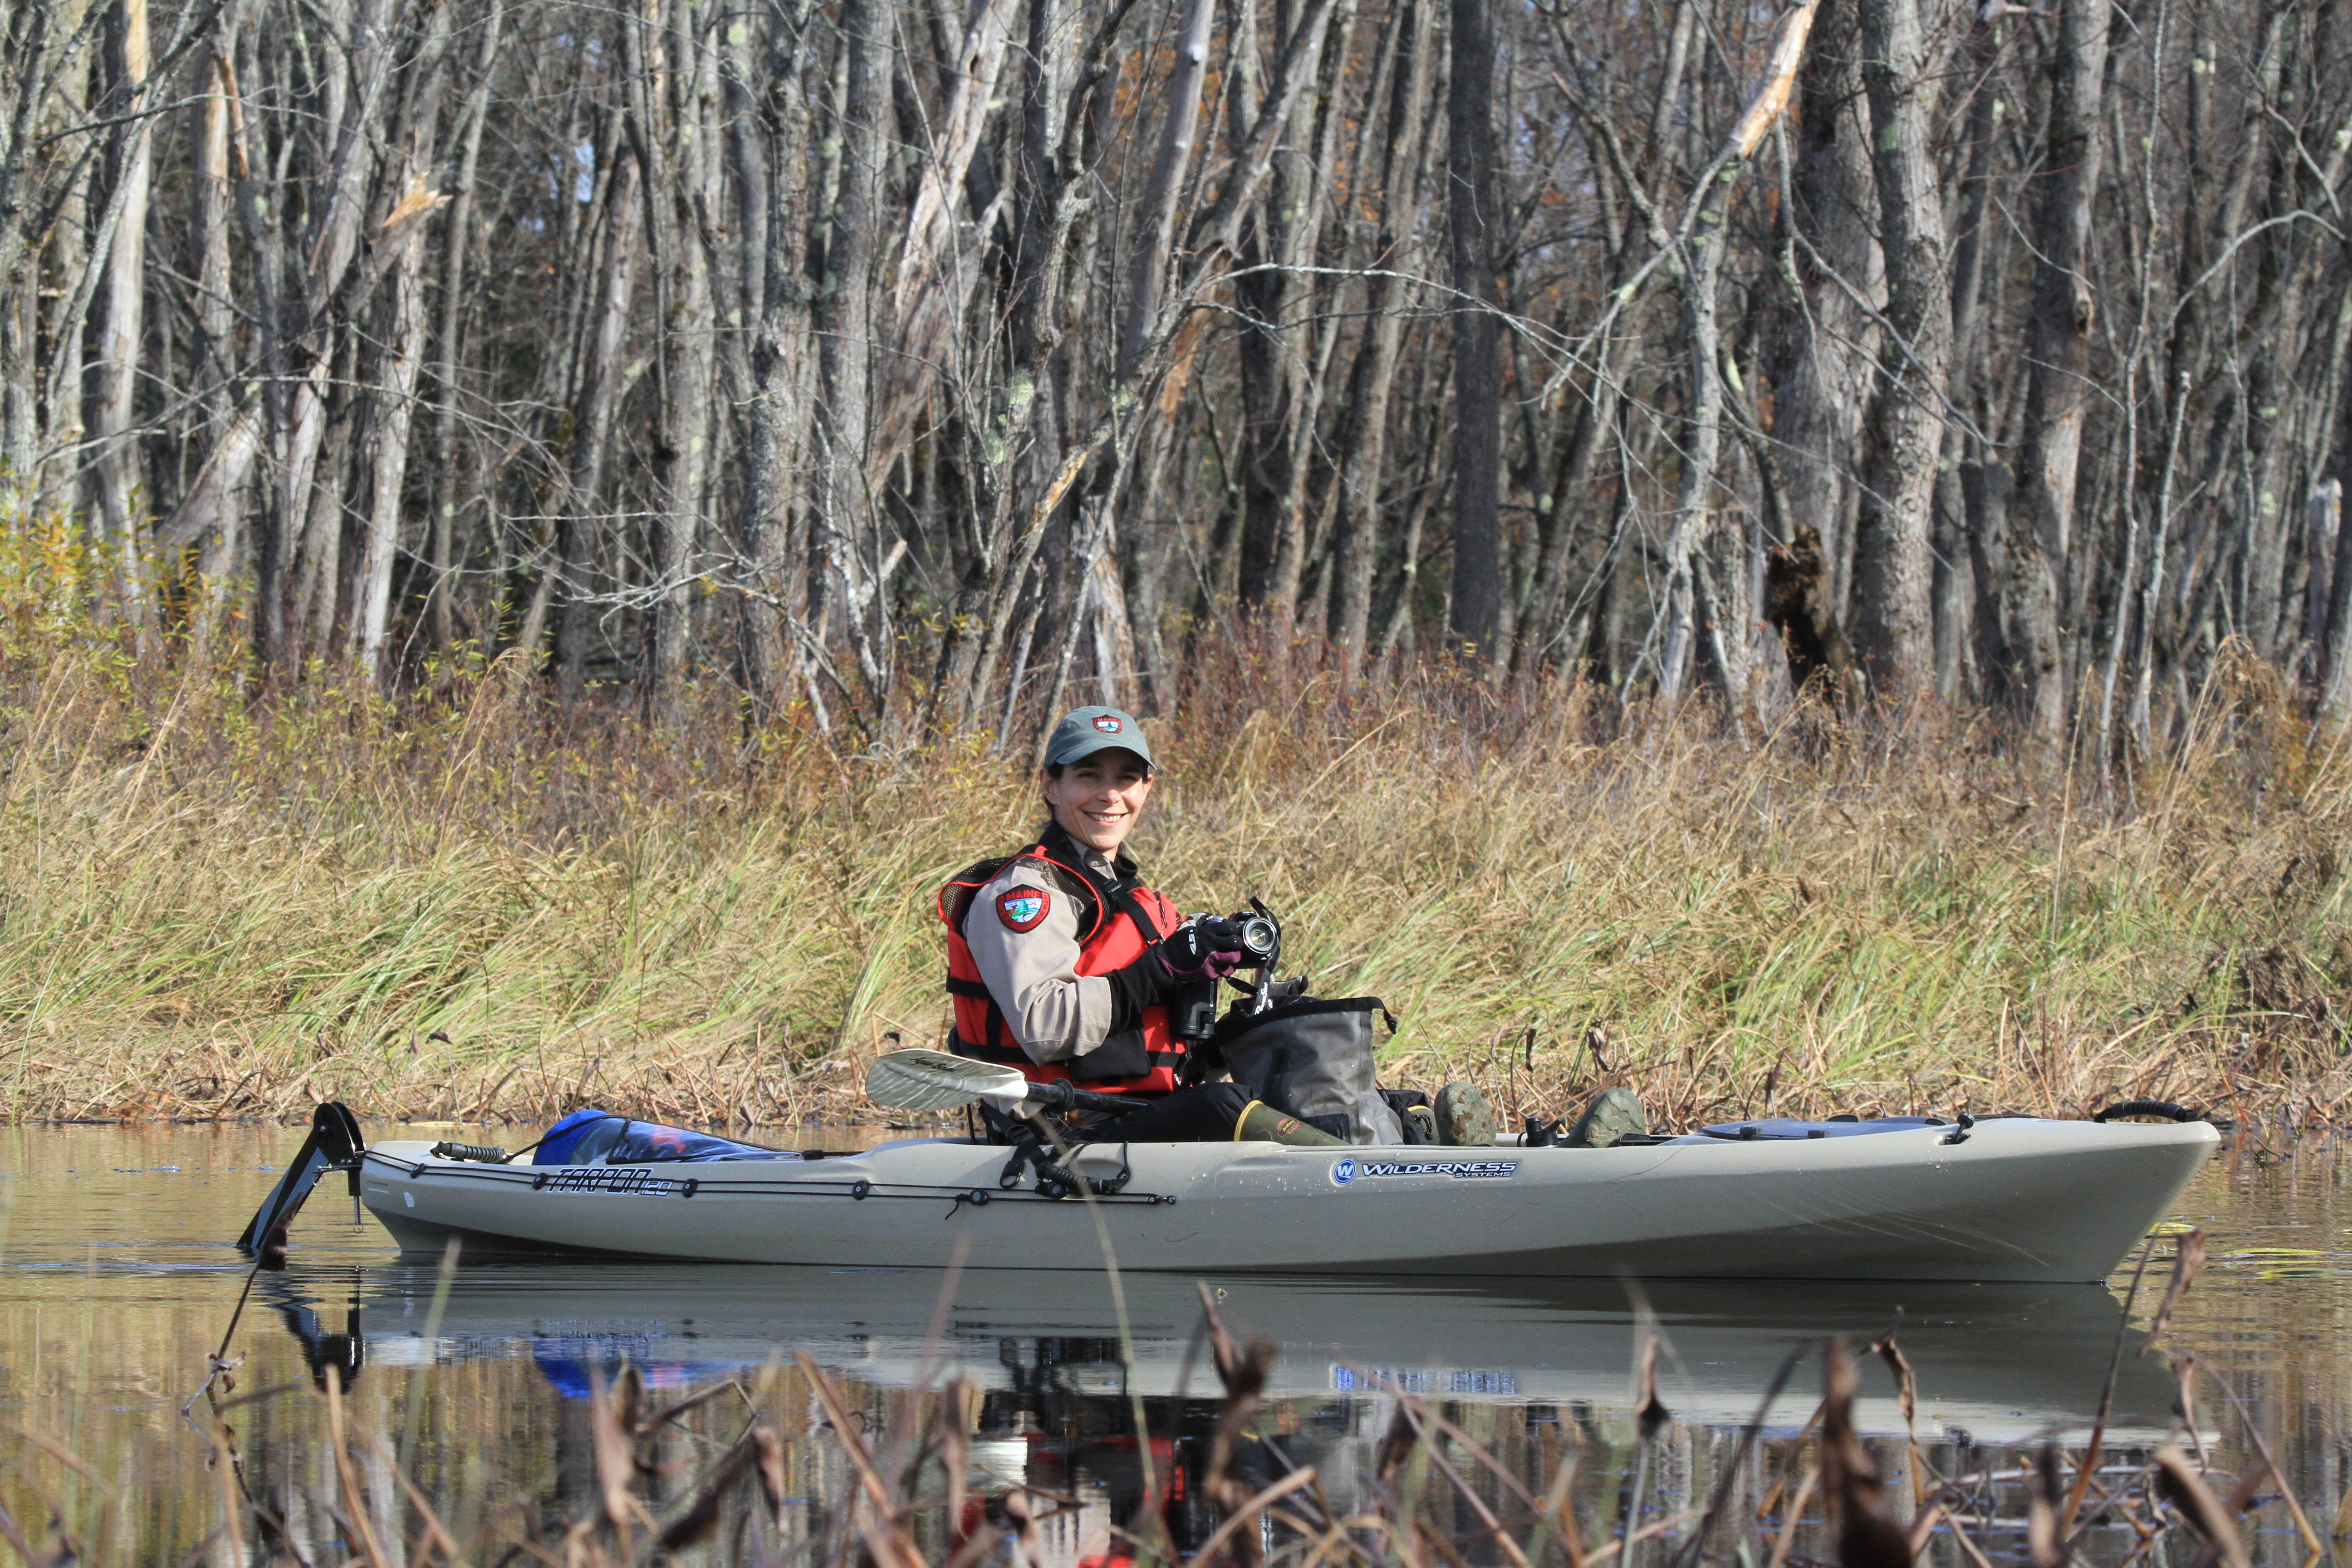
797, 1465
461, 903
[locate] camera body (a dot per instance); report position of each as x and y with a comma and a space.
1254, 934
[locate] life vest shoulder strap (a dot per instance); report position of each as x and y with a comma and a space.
1091, 892
956, 897
1153, 915
958, 890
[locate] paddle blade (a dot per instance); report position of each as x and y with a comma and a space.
935, 1080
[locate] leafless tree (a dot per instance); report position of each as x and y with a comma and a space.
915, 367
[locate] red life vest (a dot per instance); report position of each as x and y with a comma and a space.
1116, 922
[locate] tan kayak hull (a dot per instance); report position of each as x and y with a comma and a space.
2019, 1200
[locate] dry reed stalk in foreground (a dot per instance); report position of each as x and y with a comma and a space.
798, 1467
465, 902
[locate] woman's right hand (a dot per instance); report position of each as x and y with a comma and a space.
1191, 954
1185, 956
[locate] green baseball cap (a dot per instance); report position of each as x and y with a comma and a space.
1085, 730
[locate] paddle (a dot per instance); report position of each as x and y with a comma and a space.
935, 1080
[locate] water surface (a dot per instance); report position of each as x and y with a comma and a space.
120, 1283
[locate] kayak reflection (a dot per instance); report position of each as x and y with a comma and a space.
1992, 1362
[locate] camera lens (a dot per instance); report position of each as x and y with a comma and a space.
1257, 935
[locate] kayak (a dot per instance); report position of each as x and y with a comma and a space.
1995, 1362
2001, 1199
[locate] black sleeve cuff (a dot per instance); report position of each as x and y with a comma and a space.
1132, 989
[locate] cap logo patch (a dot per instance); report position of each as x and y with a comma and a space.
1107, 724
1022, 908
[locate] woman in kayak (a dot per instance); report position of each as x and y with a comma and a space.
1063, 964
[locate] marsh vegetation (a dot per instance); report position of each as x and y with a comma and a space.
469, 900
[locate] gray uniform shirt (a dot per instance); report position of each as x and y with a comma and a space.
1056, 1013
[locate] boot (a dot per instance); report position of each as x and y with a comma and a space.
1613, 1113
1262, 1123
1463, 1117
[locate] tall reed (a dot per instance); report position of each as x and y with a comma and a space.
464, 901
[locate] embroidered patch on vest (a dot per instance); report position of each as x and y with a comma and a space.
1022, 908
1107, 724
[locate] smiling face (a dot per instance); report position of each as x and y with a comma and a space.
1098, 797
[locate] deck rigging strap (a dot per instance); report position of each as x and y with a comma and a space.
538, 1177
1064, 1178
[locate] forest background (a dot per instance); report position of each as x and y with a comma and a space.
1792, 553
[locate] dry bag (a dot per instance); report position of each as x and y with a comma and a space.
1314, 1059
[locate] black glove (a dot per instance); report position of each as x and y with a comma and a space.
1198, 951
1181, 958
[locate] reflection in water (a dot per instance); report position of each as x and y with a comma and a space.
1536, 1370
342, 1353
1996, 1362
120, 1281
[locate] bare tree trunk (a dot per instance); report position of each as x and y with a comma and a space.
1473, 218
938, 263
1366, 424
1156, 224
26, 56
2323, 527
1308, 165
1822, 344
62, 308
398, 347
1702, 440
1954, 582
403, 353
1007, 543
771, 139
2287, 269
110, 416
442, 515
213, 357
2041, 518
1727, 613
1268, 395
1147, 290
293, 552
2336, 641
1593, 428
678, 88
329, 538
848, 540
1396, 622
1904, 432
1259, 294
599, 395
208, 201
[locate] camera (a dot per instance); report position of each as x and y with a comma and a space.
1254, 934
1247, 932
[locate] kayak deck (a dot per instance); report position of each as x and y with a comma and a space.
2012, 1199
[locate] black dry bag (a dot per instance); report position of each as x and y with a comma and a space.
1314, 1059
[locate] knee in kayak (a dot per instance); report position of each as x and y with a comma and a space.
1612, 1116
